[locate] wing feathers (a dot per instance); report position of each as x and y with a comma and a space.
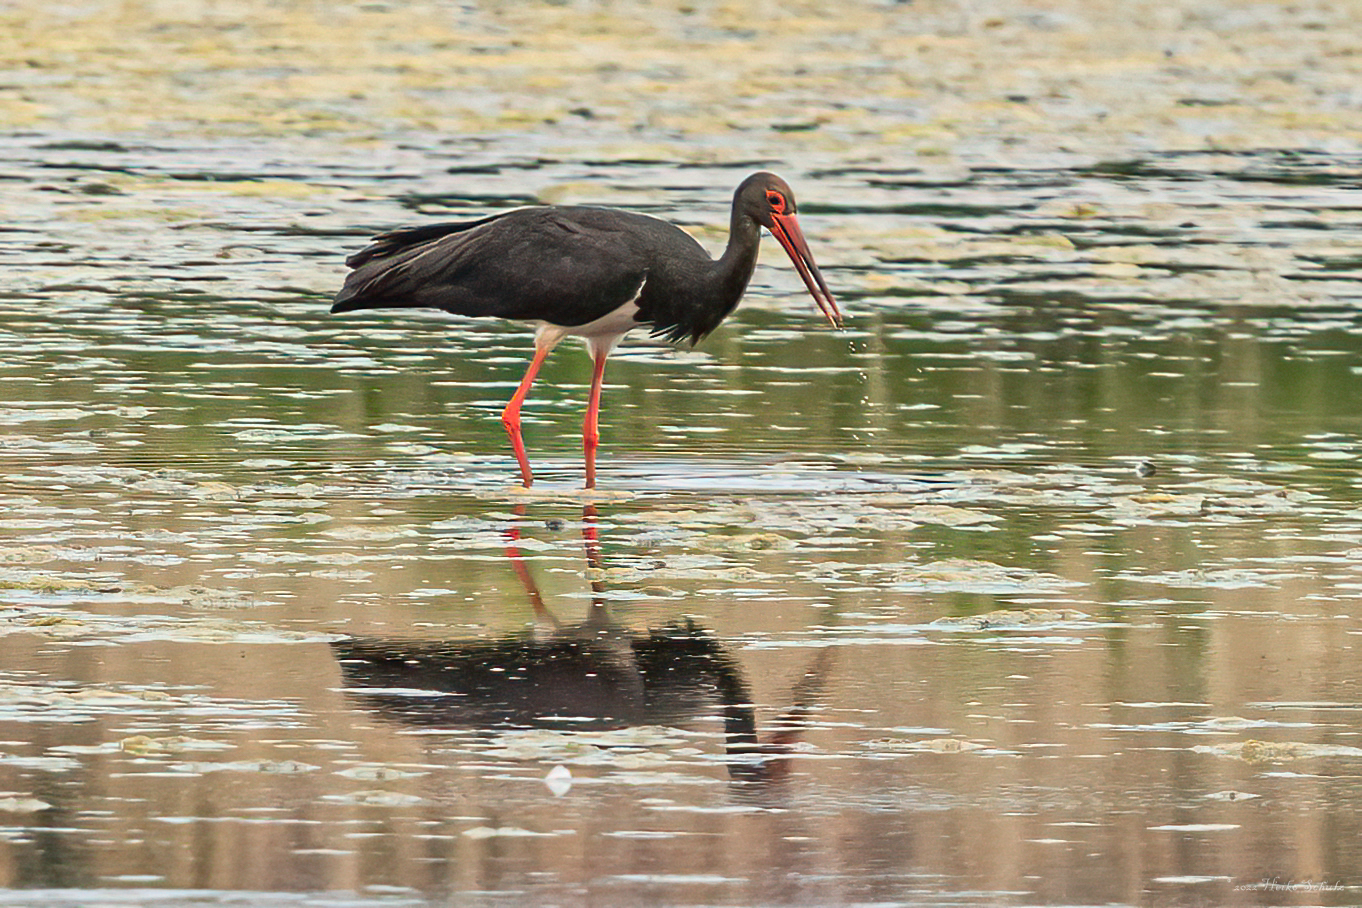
386, 244
564, 266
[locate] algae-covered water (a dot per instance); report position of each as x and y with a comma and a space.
1037, 584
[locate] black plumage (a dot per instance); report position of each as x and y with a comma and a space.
576, 270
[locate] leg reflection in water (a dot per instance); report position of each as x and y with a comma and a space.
593, 675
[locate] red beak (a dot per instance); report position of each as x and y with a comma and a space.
785, 228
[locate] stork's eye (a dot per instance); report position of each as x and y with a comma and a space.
775, 200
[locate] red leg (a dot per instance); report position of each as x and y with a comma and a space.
510, 417
591, 435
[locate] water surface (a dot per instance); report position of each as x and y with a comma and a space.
1037, 584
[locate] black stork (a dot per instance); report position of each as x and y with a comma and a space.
595, 273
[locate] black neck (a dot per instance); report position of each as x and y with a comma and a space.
739, 260
711, 293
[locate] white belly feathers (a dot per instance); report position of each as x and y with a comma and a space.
601, 335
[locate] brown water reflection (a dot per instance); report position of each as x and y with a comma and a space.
1104, 747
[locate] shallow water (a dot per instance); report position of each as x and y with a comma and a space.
1037, 584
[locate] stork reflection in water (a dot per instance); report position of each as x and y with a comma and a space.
593, 675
